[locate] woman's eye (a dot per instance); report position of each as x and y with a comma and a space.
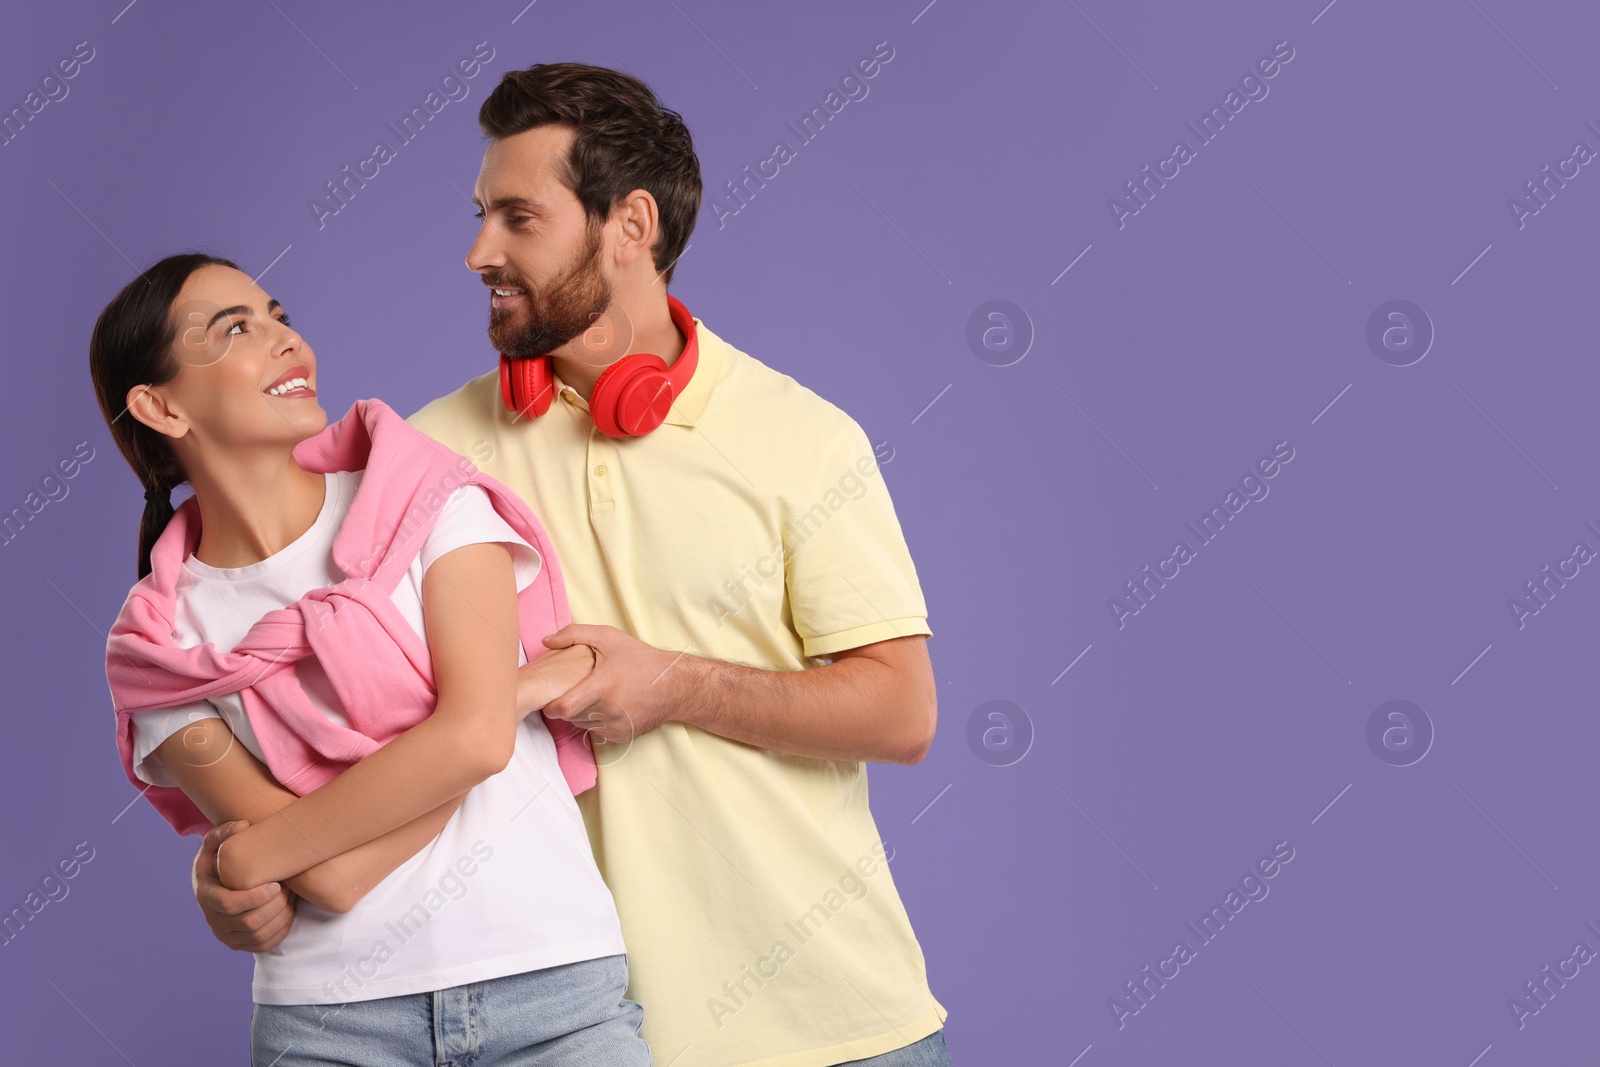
236, 326
478, 214
284, 318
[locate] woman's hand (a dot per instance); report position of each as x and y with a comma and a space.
556, 670
250, 920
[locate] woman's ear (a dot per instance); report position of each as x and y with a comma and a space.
149, 405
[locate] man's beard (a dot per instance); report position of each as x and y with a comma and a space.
568, 306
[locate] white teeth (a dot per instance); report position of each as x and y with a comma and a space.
507, 292
288, 387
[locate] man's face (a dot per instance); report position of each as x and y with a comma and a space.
536, 248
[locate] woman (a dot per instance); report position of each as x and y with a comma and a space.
449, 902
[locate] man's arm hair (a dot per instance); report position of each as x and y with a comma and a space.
876, 702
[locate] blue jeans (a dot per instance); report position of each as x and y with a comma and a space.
929, 1052
574, 1015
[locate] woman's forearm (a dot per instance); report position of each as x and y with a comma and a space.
364, 865
469, 599
433, 762
338, 884
236, 785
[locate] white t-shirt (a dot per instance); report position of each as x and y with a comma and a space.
510, 884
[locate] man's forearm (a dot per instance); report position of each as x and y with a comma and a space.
846, 710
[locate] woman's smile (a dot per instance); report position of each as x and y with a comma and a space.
294, 382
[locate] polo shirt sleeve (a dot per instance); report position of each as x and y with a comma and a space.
850, 578
469, 518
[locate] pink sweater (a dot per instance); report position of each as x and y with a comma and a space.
378, 664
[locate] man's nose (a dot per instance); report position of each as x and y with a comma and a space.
485, 254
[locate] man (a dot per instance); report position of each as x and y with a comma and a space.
711, 562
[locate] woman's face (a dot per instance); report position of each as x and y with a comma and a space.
245, 377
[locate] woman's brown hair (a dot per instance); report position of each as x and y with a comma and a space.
132, 346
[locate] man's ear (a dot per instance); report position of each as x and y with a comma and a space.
641, 223
151, 407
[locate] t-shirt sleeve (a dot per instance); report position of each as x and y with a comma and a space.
469, 518
850, 578
151, 728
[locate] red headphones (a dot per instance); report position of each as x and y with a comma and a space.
631, 397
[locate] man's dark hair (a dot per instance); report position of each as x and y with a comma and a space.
625, 140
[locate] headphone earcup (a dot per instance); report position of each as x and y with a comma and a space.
526, 385
507, 394
632, 396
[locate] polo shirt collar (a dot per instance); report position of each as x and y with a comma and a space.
691, 404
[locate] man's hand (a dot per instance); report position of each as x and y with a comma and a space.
628, 693
248, 920
552, 673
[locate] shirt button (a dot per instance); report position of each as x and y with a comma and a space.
600, 471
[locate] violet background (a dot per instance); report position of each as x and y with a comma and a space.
1177, 350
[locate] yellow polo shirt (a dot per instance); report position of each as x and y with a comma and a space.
762, 923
